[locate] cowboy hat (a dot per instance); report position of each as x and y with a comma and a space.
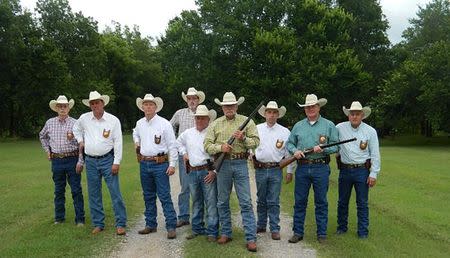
149, 97
94, 95
202, 110
194, 92
356, 106
272, 105
229, 99
60, 100
311, 100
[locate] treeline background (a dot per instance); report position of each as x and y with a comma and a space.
260, 49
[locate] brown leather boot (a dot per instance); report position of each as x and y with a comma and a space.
276, 236
172, 234
147, 230
223, 240
251, 246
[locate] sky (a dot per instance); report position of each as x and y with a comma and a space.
152, 16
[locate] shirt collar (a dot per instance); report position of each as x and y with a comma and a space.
270, 127
102, 118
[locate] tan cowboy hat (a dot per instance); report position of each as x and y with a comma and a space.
202, 110
229, 99
60, 100
272, 105
94, 95
194, 92
356, 106
311, 100
149, 97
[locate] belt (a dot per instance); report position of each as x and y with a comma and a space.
325, 160
101, 156
347, 166
157, 159
64, 155
241, 155
197, 168
258, 164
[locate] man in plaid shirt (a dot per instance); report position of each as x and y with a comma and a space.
62, 150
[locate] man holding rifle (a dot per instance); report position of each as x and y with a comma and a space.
312, 132
234, 168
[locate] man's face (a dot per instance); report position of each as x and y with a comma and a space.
229, 110
96, 105
63, 109
192, 101
271, 116
201, 122
312, 112
149, 108
355, 118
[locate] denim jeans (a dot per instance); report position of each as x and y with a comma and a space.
268, 184
203, 196
64, 171
316, 175
357, 178
155, 182
183, 196
95, 170
235, 171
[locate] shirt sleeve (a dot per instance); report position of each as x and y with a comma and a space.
78, 130
175, 121
117, 142
209, 143
251, 137
136, 136
334, 137
172, 145
375, 159
291, 143
181, 143
43, 137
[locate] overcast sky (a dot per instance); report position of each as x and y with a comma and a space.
152, 16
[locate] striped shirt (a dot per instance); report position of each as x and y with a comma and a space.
222, 129
182, 119
57, 135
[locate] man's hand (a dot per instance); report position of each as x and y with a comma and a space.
49, 156
288, 178
317, 149
371, 181
79, 168
240, 135
185, 157
226, 148
299, 154
115, 169
210, 177
170, 171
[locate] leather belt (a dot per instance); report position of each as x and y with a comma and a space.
64, 155
101, 156
258, 164
157, 159
241, 155
347, 166
197, 168
325, 160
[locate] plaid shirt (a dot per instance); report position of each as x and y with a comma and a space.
182, 119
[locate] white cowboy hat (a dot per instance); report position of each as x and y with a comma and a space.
229, 99
272, 105
311, 100
356, 106
60, 100
194, 92
202, 110
149, 97
94, 95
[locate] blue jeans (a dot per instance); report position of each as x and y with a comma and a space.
203, 196
155, 181
316, 175
235, 171
64, 171
95, 170
183, 196
268, 184
357, 178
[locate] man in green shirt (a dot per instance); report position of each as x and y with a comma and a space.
234, 168
312, 169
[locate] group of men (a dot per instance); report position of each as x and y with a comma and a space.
95, 139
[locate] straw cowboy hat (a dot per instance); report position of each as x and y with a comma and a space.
94, 95
194, 92
356, 106
60, 100
149, 97
272, 105
202, 110
229, 99
311, 100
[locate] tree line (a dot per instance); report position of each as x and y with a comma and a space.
259, 49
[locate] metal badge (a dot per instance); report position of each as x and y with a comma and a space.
363, 145
279, 144
322, 139
106, 133
69, 135
157, 139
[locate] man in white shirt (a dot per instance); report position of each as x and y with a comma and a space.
201, 175
100, 134
155, 144
271, 150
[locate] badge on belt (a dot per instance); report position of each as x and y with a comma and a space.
69, 135
322, 139
363, 145
279, 144
106, 133
157, 139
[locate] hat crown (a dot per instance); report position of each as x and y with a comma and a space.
94, 95
62, 99
148, 97
191, 92
311, 98
229, 97
272, 105
356, 106
202, 110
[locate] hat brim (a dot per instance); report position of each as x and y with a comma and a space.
53, 104
212, 114
322, 102
281, 111
104, 98
200, 94
366, 111
157, 100
238, 102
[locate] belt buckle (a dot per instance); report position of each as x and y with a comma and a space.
233, 156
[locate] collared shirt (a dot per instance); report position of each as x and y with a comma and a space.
57, 136
304, 136
365, 147
191, 142
182, 120
100, 136
156, 136
272, 146
222, 129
